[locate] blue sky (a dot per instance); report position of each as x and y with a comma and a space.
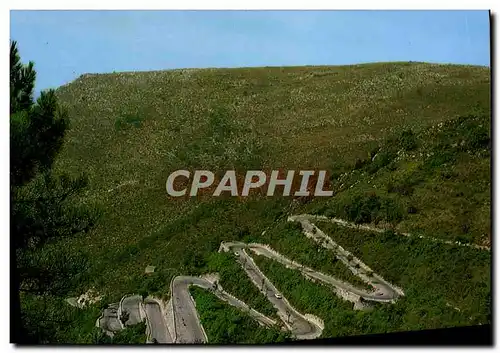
66, 44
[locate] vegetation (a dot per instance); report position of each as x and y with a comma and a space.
234, 280
431, 275
429, 272
135, 334
405, 144
287, 238
225, 324
442, 187
42, 208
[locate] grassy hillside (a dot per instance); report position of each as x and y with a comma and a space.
129, 131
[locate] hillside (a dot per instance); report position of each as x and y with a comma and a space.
406, 145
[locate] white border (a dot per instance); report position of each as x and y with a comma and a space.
214, 4
255, 5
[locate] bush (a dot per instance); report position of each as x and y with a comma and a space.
407, 140
337, 170
126, 121
362, 209
412, 210
381, 160
477, 137
440, 156
401, 188
391, 211
359, 164
135, 334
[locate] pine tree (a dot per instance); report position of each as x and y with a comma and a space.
41, 207
37, 129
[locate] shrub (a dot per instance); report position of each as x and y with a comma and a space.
337, 170
135, 334
412, 210
126, 121
402, 188
382, 159
144, 294
440, 156
391, 211
359, 164
477, 137
407, 140
329, 213
462, 239
362, 208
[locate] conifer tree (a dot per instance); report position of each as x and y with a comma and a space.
41, 202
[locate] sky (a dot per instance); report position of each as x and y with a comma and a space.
67, 44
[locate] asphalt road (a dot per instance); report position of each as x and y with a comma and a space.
157, 323
187, 326
296, 323
132, 306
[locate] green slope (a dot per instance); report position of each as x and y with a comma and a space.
129, 131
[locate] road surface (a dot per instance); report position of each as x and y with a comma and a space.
156, 322
187, 327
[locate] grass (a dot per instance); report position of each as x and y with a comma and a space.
224, 324
441, 187
142, 126
432, 278
441, 273
235, 281
288, 239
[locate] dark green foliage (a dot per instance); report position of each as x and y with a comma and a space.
439, 158
36, 128
43, 206
374, 152
412, 210
36, 135
267, 122
51, 270
235, 281
370, 207
383, 156
45, 209
98, 336
380, 160
407, 140
22, 82
128, 120
337, 170
400, 188
225, 324
288, 239
467, 134
49, 320
135, 334
359, 163
471, 131
431, 275
363, 208
391, 211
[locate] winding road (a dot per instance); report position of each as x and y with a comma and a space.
178, 322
